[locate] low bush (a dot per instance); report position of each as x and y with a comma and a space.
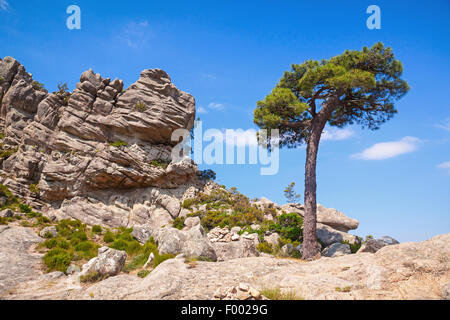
178, 223
265, 247
97, 229
57, 260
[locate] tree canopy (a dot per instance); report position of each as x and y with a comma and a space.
364, 83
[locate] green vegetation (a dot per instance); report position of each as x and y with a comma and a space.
345, 289
277, 294
5, 154
57, 259
2, 80
93, 276
160, 163
178, 223
357, 86
207, 174
140, 256
265, 247
354, 247
118, 144
290, 194
71, 244
140, 106
37, 85
97, 229
143, 273
34, 188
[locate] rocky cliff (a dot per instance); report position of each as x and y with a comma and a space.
100, 154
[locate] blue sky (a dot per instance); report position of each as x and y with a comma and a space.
230, 54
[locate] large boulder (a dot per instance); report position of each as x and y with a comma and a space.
336, 250
328, 235
373, 245
109, 262
190, 243
235, 249
328, 216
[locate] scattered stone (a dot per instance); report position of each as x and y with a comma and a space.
191, 222
272, 239
6, 213
72, 269
243, 291
49, 231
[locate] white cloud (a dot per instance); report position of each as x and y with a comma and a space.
445, 166
216, 106
445, 126
386, 150
4, 5
200, 109
335, 134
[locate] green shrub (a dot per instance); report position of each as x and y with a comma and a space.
5, 154
161, 258
140, 106
37, 85
97, 229
265, 247
34, 188
143, 273
289, 226
187, 203
51, 243
277, 294
25, 208
57, 260
118, 144
91, 277
178, 223
3, 221
160, 163
137, 262
354, 247
108, 237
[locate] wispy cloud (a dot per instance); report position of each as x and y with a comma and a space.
216, 106
334, 134
209, 76
445, 126
386, 150
135, 34
200, 109
4, 5
445, 166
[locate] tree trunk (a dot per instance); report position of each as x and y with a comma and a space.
310, 246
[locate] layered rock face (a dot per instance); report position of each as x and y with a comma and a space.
100, 154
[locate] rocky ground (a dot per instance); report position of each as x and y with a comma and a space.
403, 271
93, 206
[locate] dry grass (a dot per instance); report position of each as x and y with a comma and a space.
277, 294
